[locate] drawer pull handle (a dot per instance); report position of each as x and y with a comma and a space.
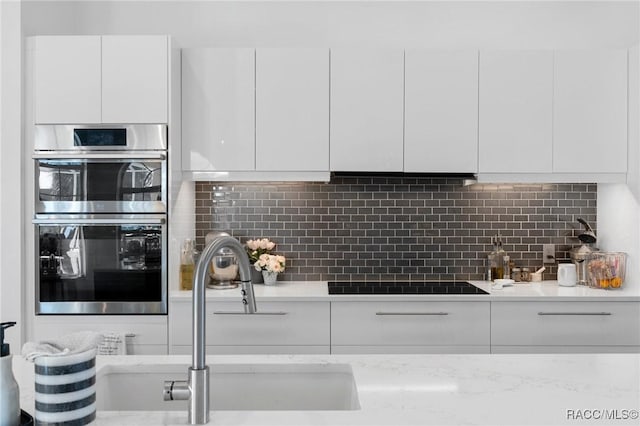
130, 335
242, 313
574, 313
411, 313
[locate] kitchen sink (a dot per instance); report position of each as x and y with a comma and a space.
232, 387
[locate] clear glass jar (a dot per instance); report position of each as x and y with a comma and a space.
516, 275
506, 266
526, 275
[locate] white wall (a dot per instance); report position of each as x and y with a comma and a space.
619, 205
619, 227
11, 211
437, 24
633, 123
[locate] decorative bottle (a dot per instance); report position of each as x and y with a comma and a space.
9, 392
496, 259
500, 254
491, 261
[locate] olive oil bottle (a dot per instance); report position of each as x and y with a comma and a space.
187, 264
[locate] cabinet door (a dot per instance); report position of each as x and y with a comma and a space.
516, 102
590, 112
140, 334
276, 324
218, 109
67, 79
366, 109
410, 324
134, 79
292, 109
441, 111
565, 324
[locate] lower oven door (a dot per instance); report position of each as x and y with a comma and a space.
101, 265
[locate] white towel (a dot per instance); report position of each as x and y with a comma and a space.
113, 344
65, 345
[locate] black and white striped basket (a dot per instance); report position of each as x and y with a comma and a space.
66, 389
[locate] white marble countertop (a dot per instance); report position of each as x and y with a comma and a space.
317, 291
398, 390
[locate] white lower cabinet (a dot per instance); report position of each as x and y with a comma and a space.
142, 334
410, 327
535, 327
387, 327
278, 327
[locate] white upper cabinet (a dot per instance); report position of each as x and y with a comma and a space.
441, 111
135, 79
590, 112
67, 79
101, 79
367, 109
218, 109
516, 111
292, 109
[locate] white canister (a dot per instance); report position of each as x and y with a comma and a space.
567, 275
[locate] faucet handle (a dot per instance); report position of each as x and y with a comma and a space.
175, 390
248, 298
168, 390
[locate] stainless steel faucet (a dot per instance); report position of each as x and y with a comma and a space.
196, 389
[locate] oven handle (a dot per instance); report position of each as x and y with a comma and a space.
108, 221
131, 155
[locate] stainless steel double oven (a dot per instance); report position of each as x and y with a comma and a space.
101, 219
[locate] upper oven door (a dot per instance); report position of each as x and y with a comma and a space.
101, 137
102, 182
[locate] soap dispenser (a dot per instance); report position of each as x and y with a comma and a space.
9, 393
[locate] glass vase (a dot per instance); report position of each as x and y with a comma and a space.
256, 276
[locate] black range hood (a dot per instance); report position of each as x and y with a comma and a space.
403, 174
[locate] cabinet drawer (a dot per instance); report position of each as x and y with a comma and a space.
138, 330
276, 323
412, 323
565, 323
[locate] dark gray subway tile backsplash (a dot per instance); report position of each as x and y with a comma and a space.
402, 228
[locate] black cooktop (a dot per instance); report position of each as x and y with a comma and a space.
403, 287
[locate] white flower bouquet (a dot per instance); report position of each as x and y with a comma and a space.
256, 248
270, 263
